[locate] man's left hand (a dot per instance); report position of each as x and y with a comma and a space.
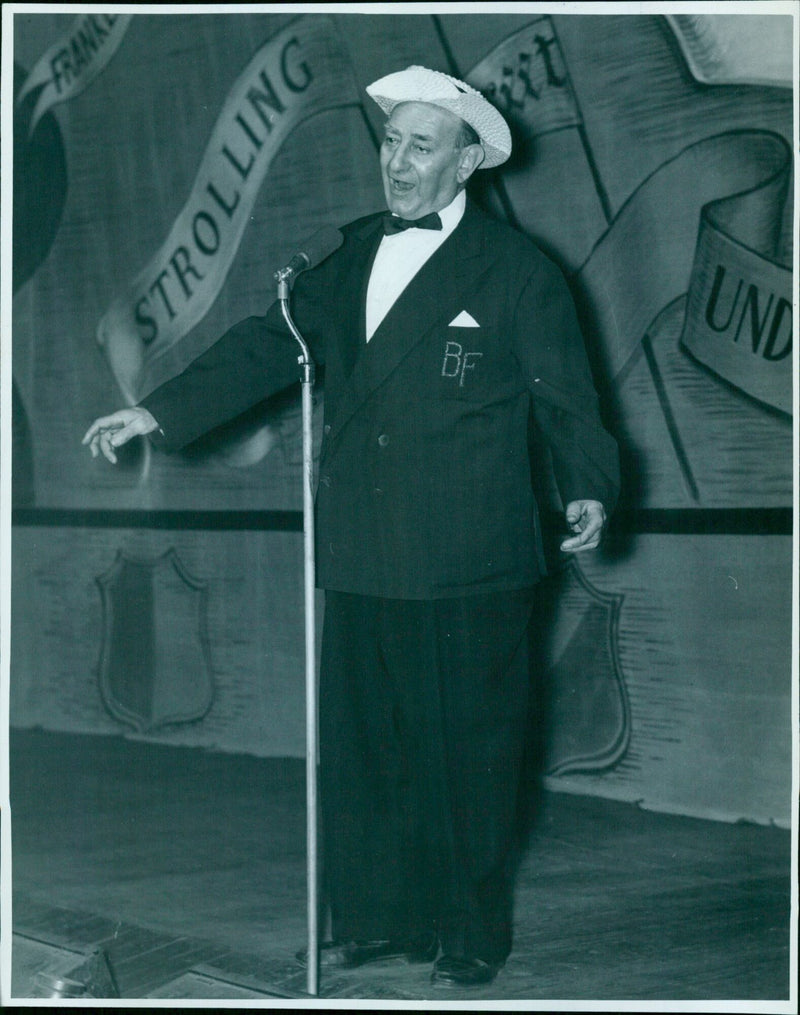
587, 518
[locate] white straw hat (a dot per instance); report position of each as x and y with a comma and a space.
418, 84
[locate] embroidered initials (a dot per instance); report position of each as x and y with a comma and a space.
456, 362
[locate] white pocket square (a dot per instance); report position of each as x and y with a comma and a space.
464, 320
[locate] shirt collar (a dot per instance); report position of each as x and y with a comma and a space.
452, 214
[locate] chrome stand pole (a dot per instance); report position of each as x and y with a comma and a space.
312, 722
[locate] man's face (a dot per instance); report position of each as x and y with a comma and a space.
420, 164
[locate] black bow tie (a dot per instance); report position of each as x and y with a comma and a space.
393, 224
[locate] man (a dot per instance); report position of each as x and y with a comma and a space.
442, 332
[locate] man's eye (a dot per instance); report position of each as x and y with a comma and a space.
390, 140
422, 148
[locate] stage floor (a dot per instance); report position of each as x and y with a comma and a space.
188, 869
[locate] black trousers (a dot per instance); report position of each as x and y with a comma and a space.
423, 712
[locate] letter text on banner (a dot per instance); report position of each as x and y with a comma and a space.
71, 64
654, 235
526, 78
739, 317
301, 71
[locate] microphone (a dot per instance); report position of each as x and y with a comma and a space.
313, 252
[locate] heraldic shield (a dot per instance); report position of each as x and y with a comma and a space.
155, 663
581, 687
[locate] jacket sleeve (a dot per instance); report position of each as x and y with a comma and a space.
254, 359
550, 349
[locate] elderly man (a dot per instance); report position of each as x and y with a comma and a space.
444, 335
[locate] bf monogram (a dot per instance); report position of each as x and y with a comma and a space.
456, 362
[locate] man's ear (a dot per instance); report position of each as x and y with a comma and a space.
471, 157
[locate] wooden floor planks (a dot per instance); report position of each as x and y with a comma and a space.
188, 869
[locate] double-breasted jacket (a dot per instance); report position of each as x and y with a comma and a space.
424, 479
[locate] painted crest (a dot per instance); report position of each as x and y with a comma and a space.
155, 663
584, 697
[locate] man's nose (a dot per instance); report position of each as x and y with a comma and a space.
399, 158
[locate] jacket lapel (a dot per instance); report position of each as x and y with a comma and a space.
352, 333
452, 270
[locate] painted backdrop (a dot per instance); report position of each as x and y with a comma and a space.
165, 165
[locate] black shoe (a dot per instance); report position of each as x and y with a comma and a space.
455, 972
351, 954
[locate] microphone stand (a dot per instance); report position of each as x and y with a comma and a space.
312, 878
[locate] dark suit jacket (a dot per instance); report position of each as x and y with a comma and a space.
424, 479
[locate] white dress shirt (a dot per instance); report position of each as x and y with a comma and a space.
399, 258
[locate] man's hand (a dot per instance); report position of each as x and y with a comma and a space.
587, 518
109, 432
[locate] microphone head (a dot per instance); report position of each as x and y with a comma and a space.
313, 252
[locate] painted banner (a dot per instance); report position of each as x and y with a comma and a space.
723, 49
302, 70
655, 232
739, 312
526, 78
72, 64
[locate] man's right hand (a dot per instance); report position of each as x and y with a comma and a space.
109, 432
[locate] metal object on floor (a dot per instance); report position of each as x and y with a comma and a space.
94, 977
52, 986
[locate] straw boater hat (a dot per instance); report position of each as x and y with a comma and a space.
418, 84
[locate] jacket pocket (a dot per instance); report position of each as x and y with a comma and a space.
462, 364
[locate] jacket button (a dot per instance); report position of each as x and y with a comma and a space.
327, 428
325, 480
383, 440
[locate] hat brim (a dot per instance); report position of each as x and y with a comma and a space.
472, 108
